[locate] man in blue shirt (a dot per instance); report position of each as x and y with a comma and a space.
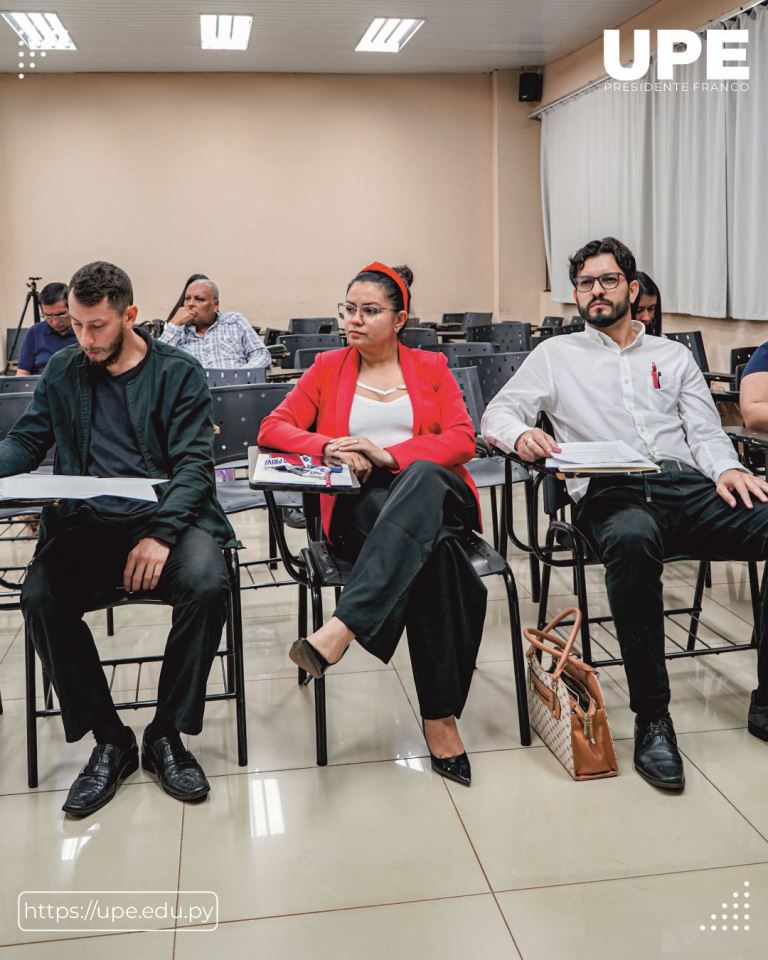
45, 339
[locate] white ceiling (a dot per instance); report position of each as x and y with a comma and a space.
318, 36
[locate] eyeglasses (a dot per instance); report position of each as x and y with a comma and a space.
368, 311
56, 316
608, 281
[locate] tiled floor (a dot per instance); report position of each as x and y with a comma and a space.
374, 855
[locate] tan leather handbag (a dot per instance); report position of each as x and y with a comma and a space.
566, 703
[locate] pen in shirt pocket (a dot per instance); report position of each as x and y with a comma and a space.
655, 377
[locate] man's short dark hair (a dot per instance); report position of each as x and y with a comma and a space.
621, 253
52, 293
97, 280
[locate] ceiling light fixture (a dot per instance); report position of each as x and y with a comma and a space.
388, 35
224, 31
40, 31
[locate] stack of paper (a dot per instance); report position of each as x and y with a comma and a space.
613, 456
270, 468
47, 486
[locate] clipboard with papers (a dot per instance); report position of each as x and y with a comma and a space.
587, 459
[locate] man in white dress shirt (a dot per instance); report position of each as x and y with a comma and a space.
615, 382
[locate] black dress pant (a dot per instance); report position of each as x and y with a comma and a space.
634, 523
82, 568
404, 534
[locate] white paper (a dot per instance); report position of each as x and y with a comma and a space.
263, 474
37, 486
598, 455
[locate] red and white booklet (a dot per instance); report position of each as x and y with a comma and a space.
301, 468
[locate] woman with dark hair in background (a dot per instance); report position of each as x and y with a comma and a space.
180, 302
647, 306
396, 417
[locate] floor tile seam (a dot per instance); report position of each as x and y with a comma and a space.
347, 909
505, 921
634, 876
723, 795
93, 936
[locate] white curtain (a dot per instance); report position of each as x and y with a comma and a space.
689, 256
595, 174
747, 164
680, 177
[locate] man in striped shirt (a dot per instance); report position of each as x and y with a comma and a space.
217, 339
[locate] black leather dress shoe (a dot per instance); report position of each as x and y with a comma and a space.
657, 758
180, 775
757, 721
452, 768
294, 517
99, 779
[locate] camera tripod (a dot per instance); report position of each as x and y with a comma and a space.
32, 297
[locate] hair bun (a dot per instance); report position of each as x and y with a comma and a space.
406, 273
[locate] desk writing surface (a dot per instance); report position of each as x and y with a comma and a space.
39, 487
286, 482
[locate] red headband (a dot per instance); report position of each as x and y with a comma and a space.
377, 267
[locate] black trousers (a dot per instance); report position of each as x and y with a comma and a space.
82, 568
404, 534
633, 524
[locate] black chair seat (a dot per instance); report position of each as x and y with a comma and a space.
235, 496
489, 472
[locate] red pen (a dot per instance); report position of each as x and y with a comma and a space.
655, 377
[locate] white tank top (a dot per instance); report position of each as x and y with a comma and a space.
384, 423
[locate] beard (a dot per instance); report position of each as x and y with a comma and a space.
111, 353
608, 316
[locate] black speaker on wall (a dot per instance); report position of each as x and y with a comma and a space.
530, 88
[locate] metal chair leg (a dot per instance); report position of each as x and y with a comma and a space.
756, 590
235, 615
698, 594
110, 622
29, 660
494, 518
518, 659
321, 725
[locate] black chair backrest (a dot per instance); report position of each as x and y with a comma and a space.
12, 405
481, 334
453, 319
12, 344
695, 343
270, 336
553, 321
411, 337
512, 337
238, 412
454, 351
469, 384
306, 341
232, 378
472, 319
494, 370
312, 325
738, 373
412, 322
741, 356
575, 326
306, 357
18, 384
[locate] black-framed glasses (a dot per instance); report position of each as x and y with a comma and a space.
368, 311
608, 281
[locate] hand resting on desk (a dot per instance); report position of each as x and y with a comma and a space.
535, 444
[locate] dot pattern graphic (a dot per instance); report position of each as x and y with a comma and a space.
735, 905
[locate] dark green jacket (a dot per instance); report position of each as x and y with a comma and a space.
169, 406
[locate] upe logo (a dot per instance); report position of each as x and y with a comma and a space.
724, 48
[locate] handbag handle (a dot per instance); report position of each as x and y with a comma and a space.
562, 650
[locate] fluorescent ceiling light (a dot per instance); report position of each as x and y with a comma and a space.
388, 35
224, 31
40, 31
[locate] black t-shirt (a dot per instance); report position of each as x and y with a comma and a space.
114, 450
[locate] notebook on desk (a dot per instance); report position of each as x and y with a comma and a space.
600, 457
298, 468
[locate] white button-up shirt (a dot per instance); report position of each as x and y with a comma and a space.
650, 394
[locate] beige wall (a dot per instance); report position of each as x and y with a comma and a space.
278, 186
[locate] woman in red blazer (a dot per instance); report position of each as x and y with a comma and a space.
397, 418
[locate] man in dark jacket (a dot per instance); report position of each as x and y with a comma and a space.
121, 404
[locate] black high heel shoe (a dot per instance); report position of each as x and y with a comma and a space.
452, 768
310, 659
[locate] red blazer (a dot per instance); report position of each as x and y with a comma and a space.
442, 430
